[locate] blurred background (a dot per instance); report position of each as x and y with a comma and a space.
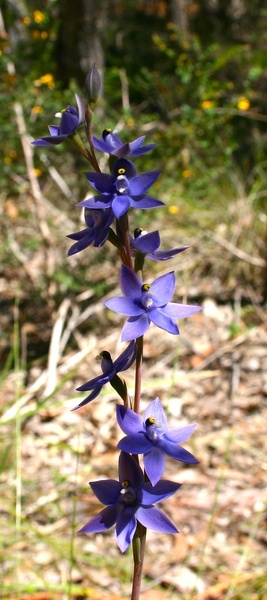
190, 75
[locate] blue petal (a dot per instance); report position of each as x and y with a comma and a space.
180, 311
156, 410
155, 519
124, 306
148, 242
89, 398
141, 183
101, 201
135, 327
103, 521
163, 288
120, 205
176, 452
130, 469
107, 490
178, 435
125, 529
135, 444
162, 490
101, 182
128, 420
167, 254
154, 463
130, 283
126, 359
159, 318
145, 202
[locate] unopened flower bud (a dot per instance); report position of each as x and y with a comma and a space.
93, 85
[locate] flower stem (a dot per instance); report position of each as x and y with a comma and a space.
139, 544
138, 374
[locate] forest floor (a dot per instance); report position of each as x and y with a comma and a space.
214, 374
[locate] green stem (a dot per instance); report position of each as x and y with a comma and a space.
139, 544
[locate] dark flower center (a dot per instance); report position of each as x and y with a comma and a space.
129, 496
151, 429
147, 299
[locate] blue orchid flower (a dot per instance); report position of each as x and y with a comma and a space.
146, 303
122, 189
152, 437
147, 244
98, 227
109, 372
112, 144
70, 120
129, 501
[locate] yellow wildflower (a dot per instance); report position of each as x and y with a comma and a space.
173, 209
37, 172
186, 173
206, 104
36, 110
243, 103
47, 79
38, 16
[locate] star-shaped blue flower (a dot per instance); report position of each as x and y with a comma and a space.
128, 501
145, 303
98, 227
109, 372
70, 120
152, 437
148, 244
122, 189
112, 144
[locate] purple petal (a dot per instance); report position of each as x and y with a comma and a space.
120, 205
154, 463
69, 122
141, 183
125, 529
167, 254
176, 452
156, 410
126, 359
178, 435
162, 490
163, 288
155, 519
145, 202
81, 109
180, 311
101, 201
100, 181
101, 522
148, 242
130, 283
129, 469
135, 444
159, 318
89, 398
128, 420
135, 327
107, 490
124, 306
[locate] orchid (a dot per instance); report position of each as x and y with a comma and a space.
146, 303
98, 228
122, 189
109, 373
71, 118
129, 501
112, 144
147, 244
152, 437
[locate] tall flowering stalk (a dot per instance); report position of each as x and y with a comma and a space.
129, 501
